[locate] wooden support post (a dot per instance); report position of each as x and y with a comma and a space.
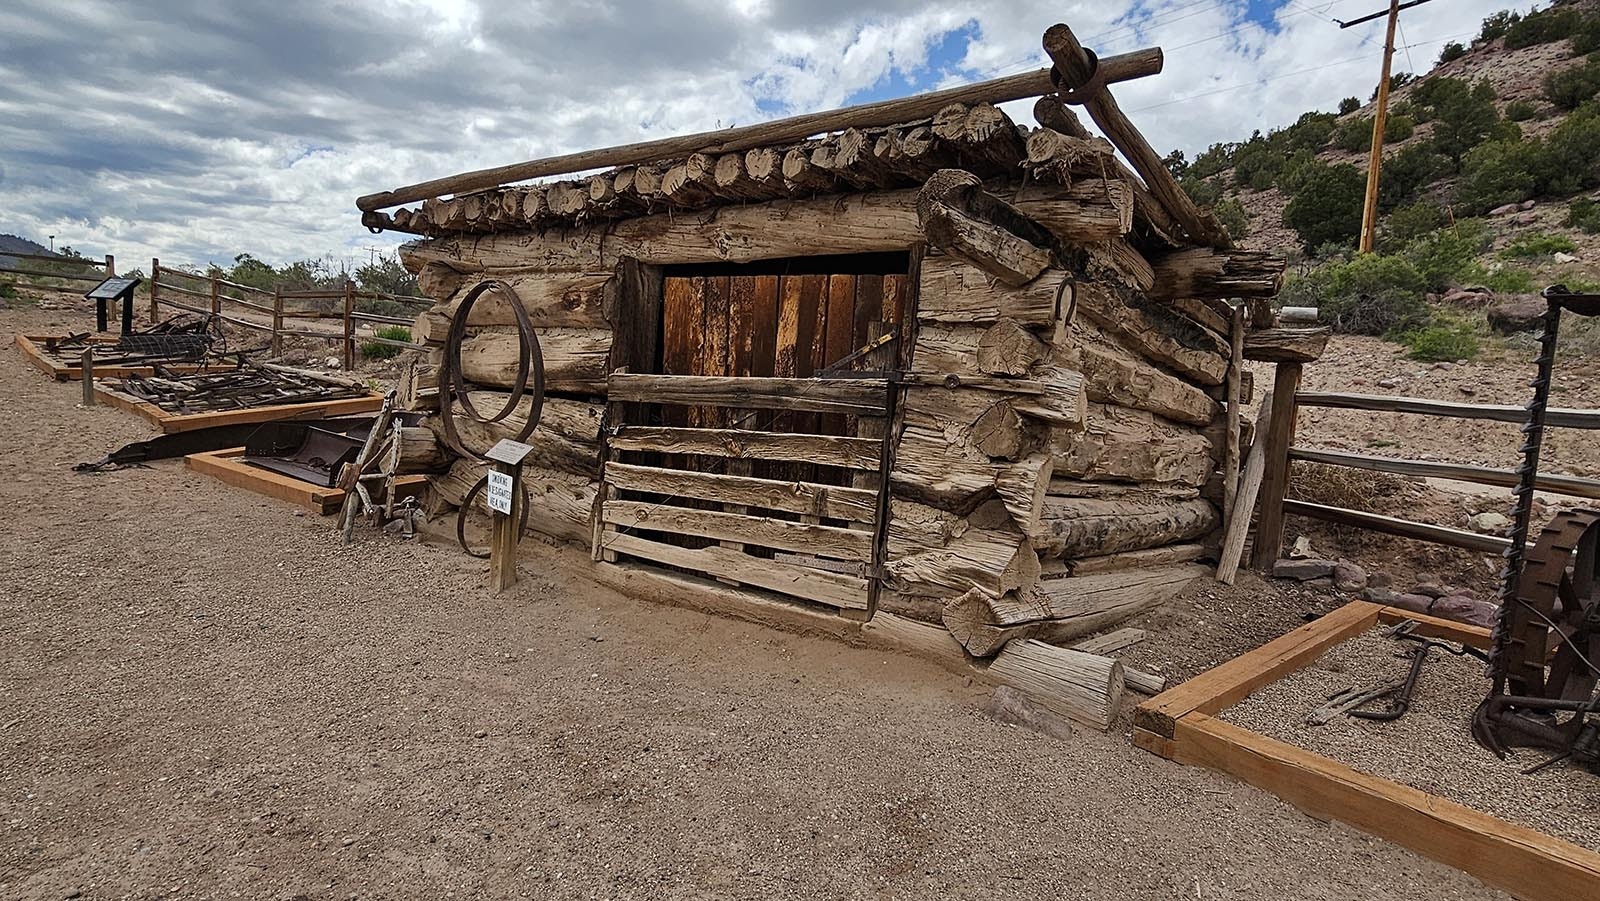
1369, 206
277, 322
216, 297
86, 364
349, 326
1230, 463
1275, 479
155, 290
505, 468
111, 266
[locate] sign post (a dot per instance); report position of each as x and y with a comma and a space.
113, 289
504, 494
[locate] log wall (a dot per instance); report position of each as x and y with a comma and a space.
1069, 418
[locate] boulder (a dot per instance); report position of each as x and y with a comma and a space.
1416, 603
1488, 523
1505, 209
1463, 609
1302, 570
1380, 579
1348, 576
1517, 313
1431, 589
1562, 256
1379, 596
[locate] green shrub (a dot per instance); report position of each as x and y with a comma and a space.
7, 291
1584, 215
1233, 217
1508, 280
1570, 157
1586, 38
1451, 51
1354, 135
1542, 28
1369, 295
1396, 81
1520, 111
1463, 114
1497, 173
1349, 105
1537, 244
1440, 343
1203, 191
1408, 223
1447, 257
1407, 172
372, 350
1327, 206
1569, 88
1496, 25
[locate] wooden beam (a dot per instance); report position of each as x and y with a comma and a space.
1230, 462
800, 537
1237, 527
1287, 345
1084, 687
1403, 528
1277, 440
828, 450
855, 397
1436, 627
1482, 475
1562, 418
795, 128
1219, 688
1209, 272
1076, 70
808, 498
1528, 864
833, 589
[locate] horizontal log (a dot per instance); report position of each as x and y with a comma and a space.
954, 292
931, 469
1147, 558
1557, 417
808, 498
1482, 475
560, 505
1125, 445
951, 221
1402, 528
1082, 527
566, 438
855, 397
821, 586
554, 300
1286, 345
1061, 610
994, 560
1209, 272
1086, 688
737, 444
1156, 332
1088, 211
575, 360
414, 450
887, 112
800, 537
1113, 375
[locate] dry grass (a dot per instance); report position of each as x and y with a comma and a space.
1341, 486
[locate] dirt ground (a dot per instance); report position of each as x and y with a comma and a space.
203, 694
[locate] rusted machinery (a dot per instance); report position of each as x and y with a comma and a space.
1547, 638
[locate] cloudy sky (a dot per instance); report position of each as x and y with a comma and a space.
194, 130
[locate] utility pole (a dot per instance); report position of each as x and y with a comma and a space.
1369, 208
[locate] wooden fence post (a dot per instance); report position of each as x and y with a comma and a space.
155, 288
86, 365
277, 322
1275, 484
216, 297
111, 266
349, 326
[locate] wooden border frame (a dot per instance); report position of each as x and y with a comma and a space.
170, 423
1180, 724
34, 353
227, 466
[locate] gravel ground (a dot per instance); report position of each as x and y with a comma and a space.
203, 694
1428, 748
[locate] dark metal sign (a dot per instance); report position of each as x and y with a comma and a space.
113, 288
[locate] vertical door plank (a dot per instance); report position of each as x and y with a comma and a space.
764, 326
678, 313
869, 309
839, 338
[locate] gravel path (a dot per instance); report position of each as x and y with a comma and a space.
1429, 748
203, 694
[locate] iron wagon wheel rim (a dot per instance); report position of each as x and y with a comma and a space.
466, 507
530, 360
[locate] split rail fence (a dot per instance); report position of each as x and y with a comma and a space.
81, 272
1275, 504
281, 313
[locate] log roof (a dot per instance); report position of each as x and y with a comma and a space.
979, 138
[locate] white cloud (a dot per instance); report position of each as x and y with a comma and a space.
197, 131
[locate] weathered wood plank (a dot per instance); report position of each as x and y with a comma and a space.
856, 397
1560, 418
831, 501
805, 538
829, 450
833, 589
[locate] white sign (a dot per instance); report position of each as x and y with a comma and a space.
499, 492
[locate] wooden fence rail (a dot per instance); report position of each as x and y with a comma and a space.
35, 278
277, 319
1281, 451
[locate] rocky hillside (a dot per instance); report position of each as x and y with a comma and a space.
1503, 134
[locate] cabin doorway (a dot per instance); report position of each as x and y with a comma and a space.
755, 454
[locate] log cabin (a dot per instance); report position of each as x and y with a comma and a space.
911, 363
